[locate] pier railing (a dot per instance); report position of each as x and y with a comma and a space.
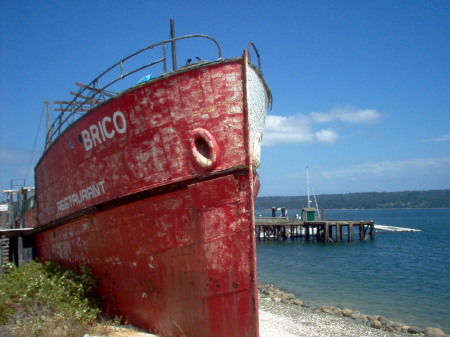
92, 94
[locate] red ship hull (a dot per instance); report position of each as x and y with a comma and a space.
154, 190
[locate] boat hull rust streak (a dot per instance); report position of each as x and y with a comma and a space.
171, 241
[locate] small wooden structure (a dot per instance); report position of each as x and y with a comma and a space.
309, 214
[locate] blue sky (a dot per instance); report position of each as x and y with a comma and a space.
361, 88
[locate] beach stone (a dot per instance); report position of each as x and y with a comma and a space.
405, 328
388, 328
373, 318
385, 321
364, 319
347, 312
357, 315
376, 324
434, 331
415, 329
328, 310
289, 296
279, 293
297, 302
335, 311
397, 326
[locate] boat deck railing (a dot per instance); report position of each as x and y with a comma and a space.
92, 94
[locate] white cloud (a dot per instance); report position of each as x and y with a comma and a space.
300, 128
348, 115
291, 129
442, 138
321, 117
294, 129
326, 136
390, 168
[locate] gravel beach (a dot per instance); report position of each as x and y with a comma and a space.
283, 315
288, 320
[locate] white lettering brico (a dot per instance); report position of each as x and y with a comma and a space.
104, 129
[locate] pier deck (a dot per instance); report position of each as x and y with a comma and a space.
269, 228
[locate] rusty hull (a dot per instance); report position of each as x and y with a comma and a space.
154, 190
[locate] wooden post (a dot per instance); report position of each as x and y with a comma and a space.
338, 233
361, 232
350, 232
331, 232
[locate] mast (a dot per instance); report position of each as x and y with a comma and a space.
307, 185
310, 185
47, 115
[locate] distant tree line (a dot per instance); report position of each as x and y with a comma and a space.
406, 199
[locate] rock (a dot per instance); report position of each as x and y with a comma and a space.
388, 328
397, 326
334, 310
280, 293
328, 310
357, 315
289, 296
376, 324
285, 298
373, 318
384, 321
405, 328
297, 302
364, 319
347, 312
434, 331
337, 311
414, 329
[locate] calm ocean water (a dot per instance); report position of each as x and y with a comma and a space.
402, 276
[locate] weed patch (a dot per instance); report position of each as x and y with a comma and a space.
46, 299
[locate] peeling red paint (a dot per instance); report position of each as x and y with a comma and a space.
171, 241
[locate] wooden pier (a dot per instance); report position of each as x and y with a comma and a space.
270, 228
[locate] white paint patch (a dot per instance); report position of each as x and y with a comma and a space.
258, 104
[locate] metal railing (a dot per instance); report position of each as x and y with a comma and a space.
88, 96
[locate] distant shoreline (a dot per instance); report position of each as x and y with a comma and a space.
359, 209
432, 199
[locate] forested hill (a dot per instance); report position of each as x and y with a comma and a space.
406, 199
